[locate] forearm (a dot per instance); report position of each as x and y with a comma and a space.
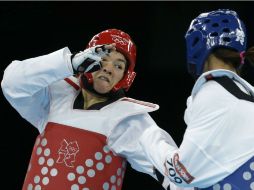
25, 78
157, 146
25, 84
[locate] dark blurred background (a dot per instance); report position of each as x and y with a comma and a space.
29, 29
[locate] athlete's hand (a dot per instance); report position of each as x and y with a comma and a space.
89, 60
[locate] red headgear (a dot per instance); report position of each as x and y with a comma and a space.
124, 45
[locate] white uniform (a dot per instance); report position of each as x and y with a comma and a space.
76, 149
218, 139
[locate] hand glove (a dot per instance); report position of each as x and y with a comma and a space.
88, 60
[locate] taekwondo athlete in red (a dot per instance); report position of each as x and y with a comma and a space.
217, 151
88, 128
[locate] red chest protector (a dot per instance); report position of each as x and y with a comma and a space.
67, 158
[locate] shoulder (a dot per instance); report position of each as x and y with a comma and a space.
204, 79
207, 90
209, 97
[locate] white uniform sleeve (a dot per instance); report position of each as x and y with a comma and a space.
25, 84
198, 161
124, 140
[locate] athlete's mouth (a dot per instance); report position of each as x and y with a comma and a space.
104, 78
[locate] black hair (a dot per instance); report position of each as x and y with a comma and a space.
234, 58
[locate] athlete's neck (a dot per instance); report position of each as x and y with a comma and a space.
91, 99
213, 63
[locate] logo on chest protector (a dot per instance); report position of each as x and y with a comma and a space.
67, 153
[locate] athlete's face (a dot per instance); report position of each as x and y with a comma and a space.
112, 71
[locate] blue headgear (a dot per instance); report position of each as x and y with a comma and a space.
220, 28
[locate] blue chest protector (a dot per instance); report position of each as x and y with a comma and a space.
243, 177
